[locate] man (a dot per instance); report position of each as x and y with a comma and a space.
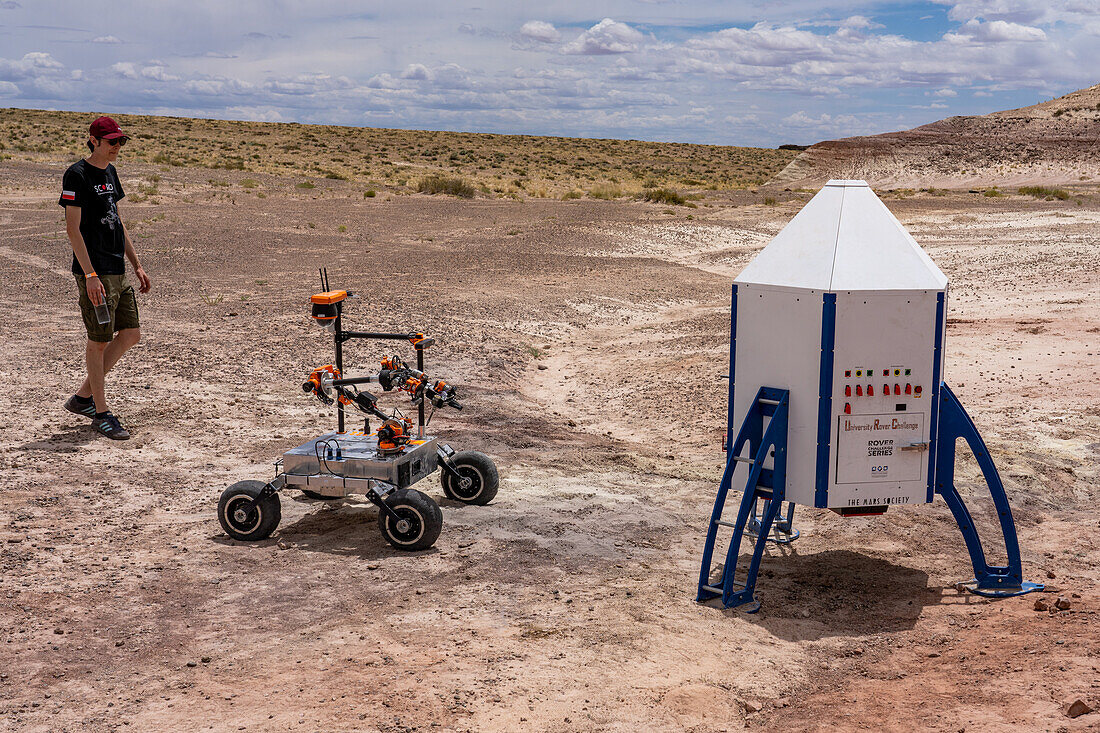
90, 194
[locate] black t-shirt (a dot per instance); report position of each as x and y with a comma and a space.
95, 191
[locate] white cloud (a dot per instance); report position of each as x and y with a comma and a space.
860, 21
217, 86
158, 73
33, 66
416, 71
606, 37
106, 39
945, 93
801, 119
1048, 12
125, 69
996, 31
7, 89
540, 31
382, 81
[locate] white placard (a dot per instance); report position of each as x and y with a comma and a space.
869, 448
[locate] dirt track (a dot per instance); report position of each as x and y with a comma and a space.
567, 604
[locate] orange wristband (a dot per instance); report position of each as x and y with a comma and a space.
90, 274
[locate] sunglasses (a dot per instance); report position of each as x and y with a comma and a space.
119, 141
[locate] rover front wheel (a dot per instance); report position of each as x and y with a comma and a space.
418, 523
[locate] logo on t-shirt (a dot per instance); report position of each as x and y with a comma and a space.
112, 213
68, 195
104, 188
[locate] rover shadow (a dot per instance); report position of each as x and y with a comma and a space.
64, 440
839, 593
346, 527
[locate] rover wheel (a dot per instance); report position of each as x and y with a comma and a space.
243, 521
478, 482
418, 524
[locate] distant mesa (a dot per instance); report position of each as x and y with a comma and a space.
1052, 143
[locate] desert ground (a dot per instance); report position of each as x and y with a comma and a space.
587, 337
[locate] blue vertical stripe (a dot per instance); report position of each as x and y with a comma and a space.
825, 398
733, 363
934, 420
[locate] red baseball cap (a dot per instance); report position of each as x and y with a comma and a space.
104, 128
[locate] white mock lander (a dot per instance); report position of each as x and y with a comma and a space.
836, 357
861, 412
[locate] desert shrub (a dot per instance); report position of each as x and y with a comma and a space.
992, 193
1042, 192
663, 196
605, 191
452, 186
306, 184
370, 193
574, 194
230, 164
769, 201
248, 183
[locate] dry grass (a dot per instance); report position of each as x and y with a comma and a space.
503, 165
451, 185
1043, 192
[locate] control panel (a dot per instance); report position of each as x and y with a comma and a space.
897, 384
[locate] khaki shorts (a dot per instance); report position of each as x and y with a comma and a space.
120, 302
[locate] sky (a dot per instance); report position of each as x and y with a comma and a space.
733, 72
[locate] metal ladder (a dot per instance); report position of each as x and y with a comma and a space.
768, 484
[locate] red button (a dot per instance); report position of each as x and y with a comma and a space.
870, 390
908, 389
917, 390
847, 390
847, 408
897, 389
859, 390
886, 389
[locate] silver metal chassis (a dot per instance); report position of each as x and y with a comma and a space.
357, 468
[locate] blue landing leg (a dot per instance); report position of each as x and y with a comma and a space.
988, 580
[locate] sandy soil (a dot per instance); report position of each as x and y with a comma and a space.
588, 337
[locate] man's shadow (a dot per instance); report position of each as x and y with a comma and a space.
67, 439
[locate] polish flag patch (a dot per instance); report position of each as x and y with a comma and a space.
68, 195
